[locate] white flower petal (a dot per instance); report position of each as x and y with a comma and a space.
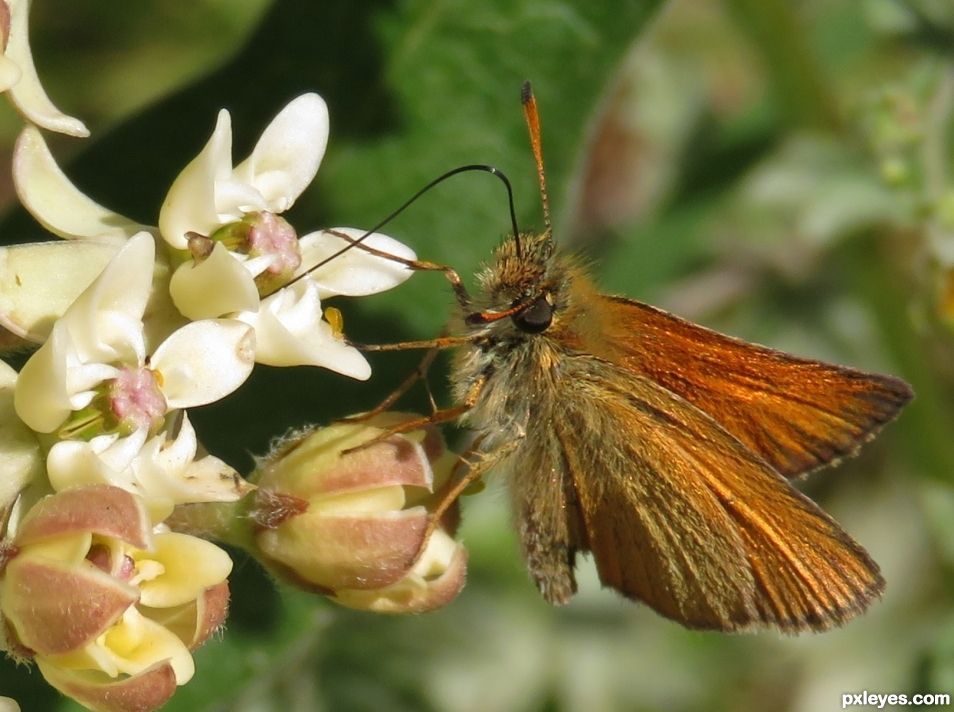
105, 321
119, 453
41, 397
190, 202
179, 454
168, 472
204, 361
218, 285
82, 378
39, 281
9, 73
289, 331
55, 202
355, 272
21, 461
256, 265
27, 94
75, 463
106, 459
234, 198
209, 479
288, 154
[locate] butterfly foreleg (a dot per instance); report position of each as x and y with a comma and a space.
444, 415
418, 374
460, 292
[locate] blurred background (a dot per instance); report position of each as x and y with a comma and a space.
778, 170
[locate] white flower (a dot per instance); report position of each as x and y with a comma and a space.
163, 470
22, 462
289, 324
210, 192
18, 74
237, 207
100, 339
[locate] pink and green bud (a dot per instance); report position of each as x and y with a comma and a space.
67, 582
108, 606
433, 581
339, 514
148, 690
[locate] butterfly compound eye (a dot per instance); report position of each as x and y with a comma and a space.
535, 318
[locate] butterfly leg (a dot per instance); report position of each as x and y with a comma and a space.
440, 343
418, 374
477, 462
460, 292
444, 415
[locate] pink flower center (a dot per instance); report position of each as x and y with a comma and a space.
272, 235
136, 400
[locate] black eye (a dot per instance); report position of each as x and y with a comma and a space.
535, 318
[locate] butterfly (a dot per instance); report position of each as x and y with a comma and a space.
662, 448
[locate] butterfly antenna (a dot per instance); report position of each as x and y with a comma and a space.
407, 203
533, 123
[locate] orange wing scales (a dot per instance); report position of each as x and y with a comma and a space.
796, 413
690, 521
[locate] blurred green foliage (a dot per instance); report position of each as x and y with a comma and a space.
777, 170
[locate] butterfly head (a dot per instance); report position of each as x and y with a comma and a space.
519, 285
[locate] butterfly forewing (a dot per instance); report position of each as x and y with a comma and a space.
687, 519
796, 413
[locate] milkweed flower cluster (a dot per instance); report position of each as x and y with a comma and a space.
104, 486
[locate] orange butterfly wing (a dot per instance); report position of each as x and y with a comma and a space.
682, 516
796, 413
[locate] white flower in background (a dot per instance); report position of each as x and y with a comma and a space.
18, 75
210, 193
93, 382
237, 256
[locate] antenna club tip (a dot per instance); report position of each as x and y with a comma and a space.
526, 93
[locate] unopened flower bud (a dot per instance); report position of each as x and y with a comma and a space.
106, 604
347, 515
434, 581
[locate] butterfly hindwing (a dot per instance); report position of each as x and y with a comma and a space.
687, 519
